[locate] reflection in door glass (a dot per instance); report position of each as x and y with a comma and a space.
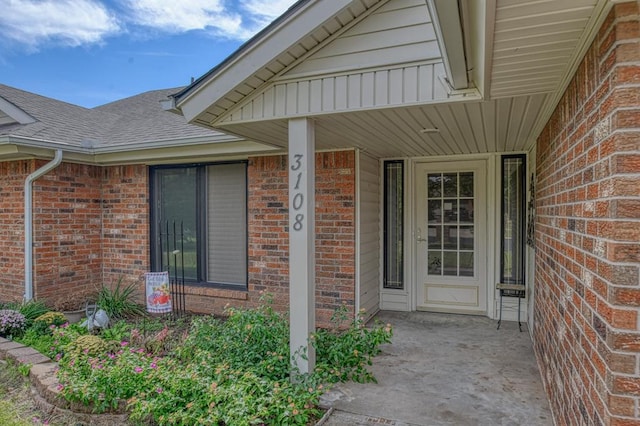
466, 264
434, 260
435, 211
451, 242
434, 185
450, 210
466, 184
435, 237
450, 263
450, 181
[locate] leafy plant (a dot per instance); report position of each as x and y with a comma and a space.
345, 354
119, 302
12, 323
42, 325
24, 369
31, 309
225, 371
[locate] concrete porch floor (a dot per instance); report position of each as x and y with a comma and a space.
445, 369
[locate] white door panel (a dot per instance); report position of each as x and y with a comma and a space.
450, 231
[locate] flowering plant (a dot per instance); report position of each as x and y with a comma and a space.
12, 323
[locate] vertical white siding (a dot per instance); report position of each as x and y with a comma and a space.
393, 86
369, 221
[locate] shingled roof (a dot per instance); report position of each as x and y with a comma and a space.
132, 121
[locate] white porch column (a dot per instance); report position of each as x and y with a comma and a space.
302, 272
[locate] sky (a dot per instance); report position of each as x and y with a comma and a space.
91, 52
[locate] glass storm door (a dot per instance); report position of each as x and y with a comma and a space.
450, 237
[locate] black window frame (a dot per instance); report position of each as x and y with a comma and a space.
515, 278
385, 221
201, 176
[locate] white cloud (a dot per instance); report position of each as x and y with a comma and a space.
67, 22
266, 10
230, 19
34, 23
186, 15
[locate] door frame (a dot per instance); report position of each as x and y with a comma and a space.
491, 226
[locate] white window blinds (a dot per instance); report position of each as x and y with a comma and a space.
227, 224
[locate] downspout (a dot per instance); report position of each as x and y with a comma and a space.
28, 221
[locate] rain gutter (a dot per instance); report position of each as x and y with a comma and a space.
28, 221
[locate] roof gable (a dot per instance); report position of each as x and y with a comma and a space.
397, 32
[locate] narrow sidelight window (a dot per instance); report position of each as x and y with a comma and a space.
207, 204
513, 219
393, 224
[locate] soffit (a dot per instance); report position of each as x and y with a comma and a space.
502, 125
536, 43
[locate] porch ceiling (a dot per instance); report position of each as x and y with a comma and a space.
500, 125
521, 56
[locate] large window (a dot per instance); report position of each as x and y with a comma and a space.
202, 211
513, 219
393, 225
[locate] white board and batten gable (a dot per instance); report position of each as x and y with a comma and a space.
386, 57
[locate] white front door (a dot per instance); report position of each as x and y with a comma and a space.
450, 237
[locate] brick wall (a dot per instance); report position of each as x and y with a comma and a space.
125, 224
92, 227
67, 233
587, 302
12, 177
268, 248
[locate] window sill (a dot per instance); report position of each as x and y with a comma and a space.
223, 293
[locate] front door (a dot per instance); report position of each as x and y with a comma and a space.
450, 237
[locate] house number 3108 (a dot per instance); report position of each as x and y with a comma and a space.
298, 196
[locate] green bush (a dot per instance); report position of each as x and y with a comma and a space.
344, 355
12, 323
119, 302
31, 309
232, 371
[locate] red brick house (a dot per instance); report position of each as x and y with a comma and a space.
418, 147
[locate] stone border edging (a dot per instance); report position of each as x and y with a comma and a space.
45, 391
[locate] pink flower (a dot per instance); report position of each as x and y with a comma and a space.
153, 365
59, 387
124, 343
138, 370
159, 390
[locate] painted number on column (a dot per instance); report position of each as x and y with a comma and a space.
298, 196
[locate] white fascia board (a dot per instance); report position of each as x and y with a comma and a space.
193, 153
12, 148
446, 22
257, 55
40, 143
183, 143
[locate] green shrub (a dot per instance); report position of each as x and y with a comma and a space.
119, 302
31, 309
43, 324
254, 340
344, 355
51, 317
12, 323
89, 344
234, 371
